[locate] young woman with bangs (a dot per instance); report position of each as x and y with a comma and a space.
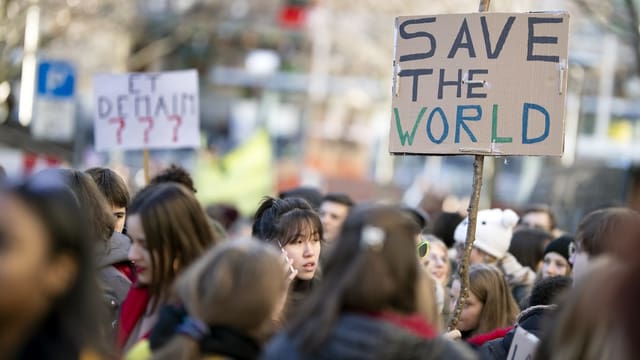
295, 229
169, 231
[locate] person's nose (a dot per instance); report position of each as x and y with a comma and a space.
308, 250
134, 254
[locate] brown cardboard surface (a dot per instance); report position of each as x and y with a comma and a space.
523, 80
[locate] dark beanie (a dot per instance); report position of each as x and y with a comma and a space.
560, 245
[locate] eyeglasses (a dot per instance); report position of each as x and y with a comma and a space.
423, 247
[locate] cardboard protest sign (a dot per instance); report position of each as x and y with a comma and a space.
147, 110
484, 83
523, 346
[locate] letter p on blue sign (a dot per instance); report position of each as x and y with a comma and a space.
56, 79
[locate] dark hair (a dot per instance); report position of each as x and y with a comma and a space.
445, 226
176, 232
309, 194
543, 209
111, 185
175, 173
340, 198
560, 245
546, 291
365, 278
3, 174
606, 230
70, 324
225, 214
418, 215
527, 245
282, 219
92, 202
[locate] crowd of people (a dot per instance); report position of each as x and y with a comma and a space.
91, 272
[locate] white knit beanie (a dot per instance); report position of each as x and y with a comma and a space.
493, 231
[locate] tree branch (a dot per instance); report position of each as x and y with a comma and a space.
635, 31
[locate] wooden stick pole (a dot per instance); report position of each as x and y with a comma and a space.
147, 176
478, 165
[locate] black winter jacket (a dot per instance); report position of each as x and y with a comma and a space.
530, 319
360, 337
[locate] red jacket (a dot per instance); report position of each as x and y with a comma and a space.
132, 311
480, 339
415, 324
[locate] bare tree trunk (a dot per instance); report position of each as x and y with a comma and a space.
635, 31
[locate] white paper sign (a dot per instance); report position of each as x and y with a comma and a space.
523, 346
146, 110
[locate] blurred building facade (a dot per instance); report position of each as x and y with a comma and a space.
315, 76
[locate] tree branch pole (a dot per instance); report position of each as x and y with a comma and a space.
147, 175
484, 5
478, 166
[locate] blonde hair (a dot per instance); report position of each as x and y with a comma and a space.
427, 302
499, 309
435, 241
239, 284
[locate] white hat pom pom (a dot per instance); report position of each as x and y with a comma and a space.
509, 218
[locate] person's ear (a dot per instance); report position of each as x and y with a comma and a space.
61, 275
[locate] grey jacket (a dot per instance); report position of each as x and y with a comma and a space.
115, 285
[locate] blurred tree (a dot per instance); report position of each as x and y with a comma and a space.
619, 17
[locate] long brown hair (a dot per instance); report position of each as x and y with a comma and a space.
499, 309
176, 231
362, 276
239, 284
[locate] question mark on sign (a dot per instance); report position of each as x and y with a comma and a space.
120, 122
178, 121
147, 130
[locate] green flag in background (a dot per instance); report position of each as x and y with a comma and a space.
242, 177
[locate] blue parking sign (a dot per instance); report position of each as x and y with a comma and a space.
56, 79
